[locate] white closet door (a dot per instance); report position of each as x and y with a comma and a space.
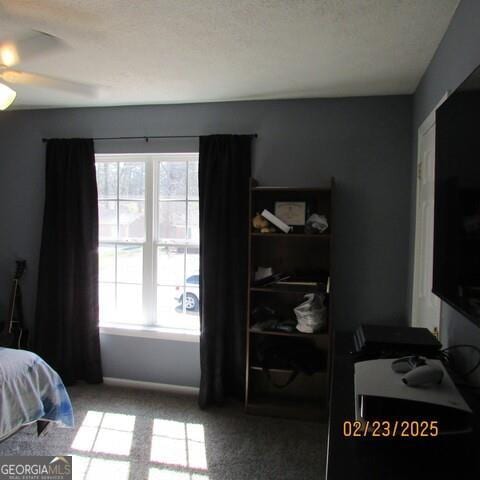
426, 305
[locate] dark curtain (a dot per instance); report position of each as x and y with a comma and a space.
224, 175
67, 334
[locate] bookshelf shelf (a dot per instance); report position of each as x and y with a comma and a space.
288, 408
281, 289
318, 236
273, 370
289, 334
275, 188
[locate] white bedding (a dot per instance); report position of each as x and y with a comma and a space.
30, 390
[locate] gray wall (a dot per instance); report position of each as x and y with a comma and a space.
364, 142
456, 57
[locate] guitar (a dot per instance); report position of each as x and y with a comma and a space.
13, 334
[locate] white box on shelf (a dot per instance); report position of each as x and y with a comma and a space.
276, 221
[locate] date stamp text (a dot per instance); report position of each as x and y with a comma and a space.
390, 428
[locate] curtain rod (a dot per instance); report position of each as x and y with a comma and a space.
148, 137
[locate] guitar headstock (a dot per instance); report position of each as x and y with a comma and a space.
21, 266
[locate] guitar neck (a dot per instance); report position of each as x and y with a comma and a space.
11, 310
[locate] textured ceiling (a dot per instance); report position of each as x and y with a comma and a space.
180, 51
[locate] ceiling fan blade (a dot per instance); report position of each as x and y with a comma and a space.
74, 16
26, 78
37, 43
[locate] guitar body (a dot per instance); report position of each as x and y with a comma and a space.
13, 335
17, 339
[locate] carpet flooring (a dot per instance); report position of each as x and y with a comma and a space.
131, 434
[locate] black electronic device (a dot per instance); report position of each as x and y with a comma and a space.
380, 341
456, 244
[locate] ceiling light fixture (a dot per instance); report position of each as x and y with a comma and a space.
7, 96
8, 54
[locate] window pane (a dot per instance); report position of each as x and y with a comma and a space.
129, 304
172, 180
192, 266
193, 222
132, 180
171, 220
106, 180
132, 220
129, 264
193, 180
170, 265
171, 311
106, 263
106, 294
191, 304
107, 218
122, 186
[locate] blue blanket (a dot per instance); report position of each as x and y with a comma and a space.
30, 390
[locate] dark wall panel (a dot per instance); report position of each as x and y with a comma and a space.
364, 142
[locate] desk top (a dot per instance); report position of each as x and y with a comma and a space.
443, 457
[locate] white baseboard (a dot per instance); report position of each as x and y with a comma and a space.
163, 387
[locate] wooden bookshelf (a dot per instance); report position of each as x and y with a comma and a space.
299, 254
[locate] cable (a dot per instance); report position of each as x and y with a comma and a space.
451, 361
467, 385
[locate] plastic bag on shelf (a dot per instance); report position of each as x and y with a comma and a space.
316, 223
311, 314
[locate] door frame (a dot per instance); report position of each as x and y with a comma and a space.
426, 125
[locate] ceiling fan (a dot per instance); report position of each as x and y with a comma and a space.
14, 52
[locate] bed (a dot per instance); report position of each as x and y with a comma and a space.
30, 391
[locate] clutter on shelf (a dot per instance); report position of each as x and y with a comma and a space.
311, 314
316, 223
262, 225
276, 221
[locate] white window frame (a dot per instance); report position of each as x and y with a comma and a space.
149, 329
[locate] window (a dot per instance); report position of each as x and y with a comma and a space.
149, 240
